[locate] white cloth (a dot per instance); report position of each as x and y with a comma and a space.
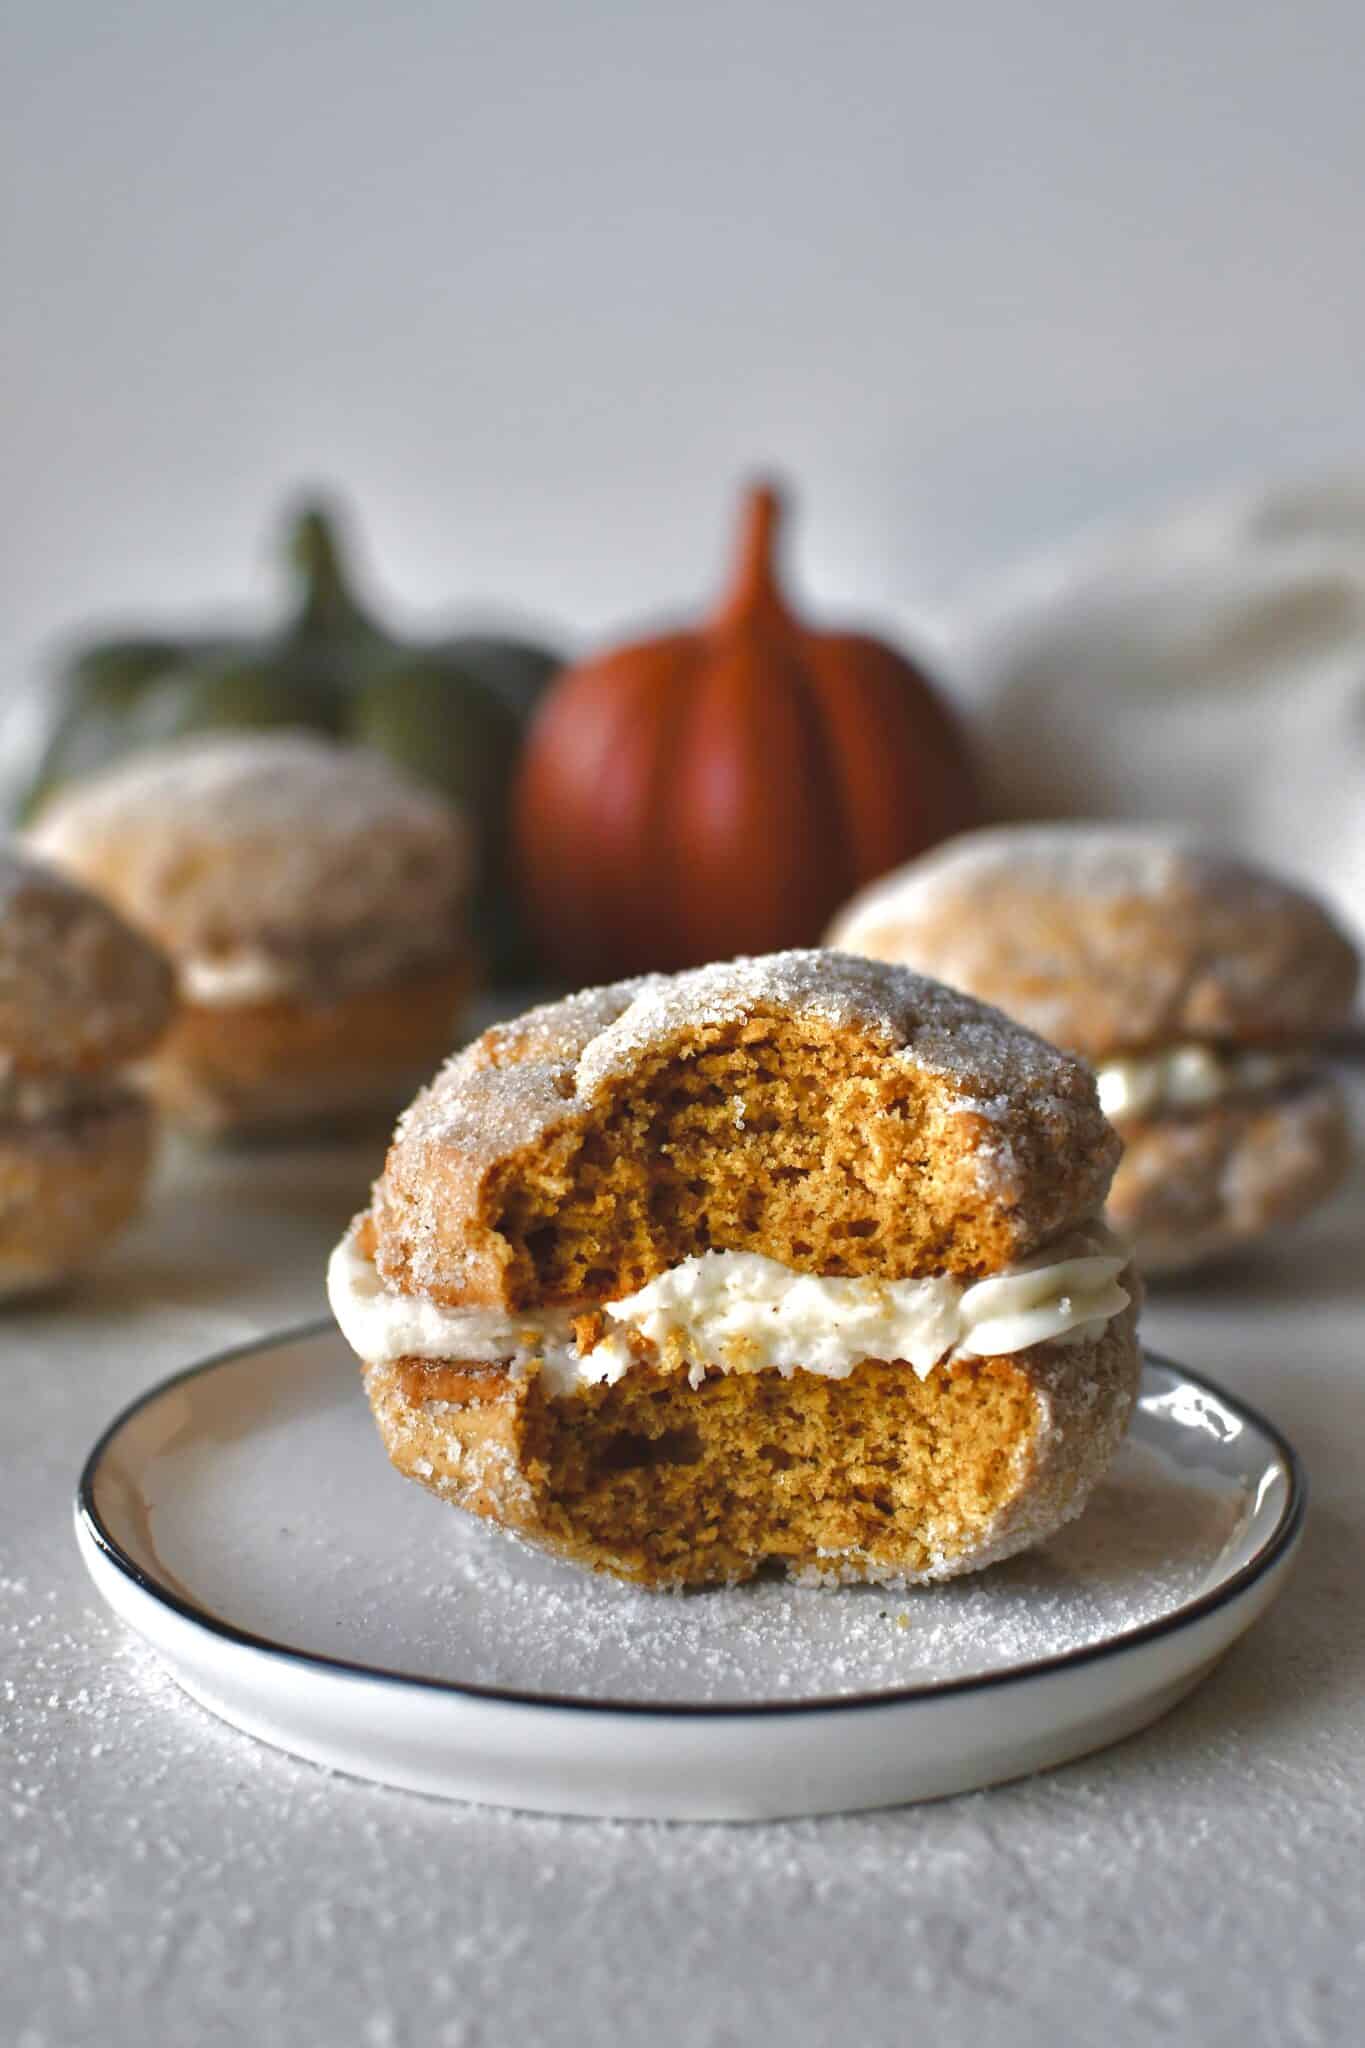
1208, 669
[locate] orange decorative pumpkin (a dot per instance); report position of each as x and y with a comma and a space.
723, 790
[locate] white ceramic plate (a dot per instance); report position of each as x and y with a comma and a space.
242, 1517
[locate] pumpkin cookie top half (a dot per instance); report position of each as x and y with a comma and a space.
1113, 940
888, 1126
276, 846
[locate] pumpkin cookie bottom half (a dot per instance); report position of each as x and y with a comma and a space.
881, 1476
248, 1070
1196, 1184
67, 1185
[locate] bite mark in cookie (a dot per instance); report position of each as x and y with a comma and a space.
806, 1194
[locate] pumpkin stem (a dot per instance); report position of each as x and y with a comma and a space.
754, 586
314, 553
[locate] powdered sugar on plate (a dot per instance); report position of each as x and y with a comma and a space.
274, 1509
1145, 1544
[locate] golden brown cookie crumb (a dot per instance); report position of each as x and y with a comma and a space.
840, 1116
880, 1476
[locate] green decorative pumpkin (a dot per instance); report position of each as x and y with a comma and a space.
451, 711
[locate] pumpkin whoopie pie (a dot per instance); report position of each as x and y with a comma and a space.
312, 897
1200, 988
81, 995
794, 1260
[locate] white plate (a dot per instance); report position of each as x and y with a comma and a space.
242, 1517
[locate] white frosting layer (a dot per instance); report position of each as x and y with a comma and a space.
224, 980
1189, 1077
742, 1312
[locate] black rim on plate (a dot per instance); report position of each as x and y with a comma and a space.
1281, 1539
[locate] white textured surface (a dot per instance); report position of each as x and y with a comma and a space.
166, 1880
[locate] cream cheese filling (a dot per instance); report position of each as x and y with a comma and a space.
1191, 1077
743, 1312
246, 975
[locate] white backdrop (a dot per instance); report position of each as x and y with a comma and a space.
535, 281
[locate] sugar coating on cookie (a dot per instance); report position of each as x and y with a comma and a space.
1107, 938
313, 897
1193, 1188
69, 1181
79, 989
833, 1111
81, 994
280, 841
1198, 984
788, 1260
